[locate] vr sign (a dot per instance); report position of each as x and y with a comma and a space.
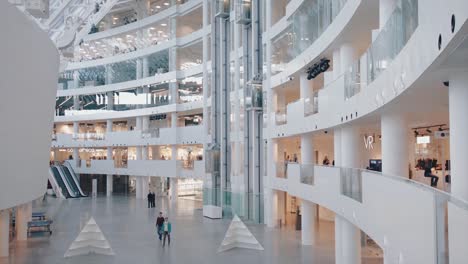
369, 142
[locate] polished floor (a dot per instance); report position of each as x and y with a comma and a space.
128, 225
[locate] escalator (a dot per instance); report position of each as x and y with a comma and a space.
60, 182
69, 183
71, 175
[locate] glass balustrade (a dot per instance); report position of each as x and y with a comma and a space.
118, 72
150, 133
246, 205
390, 41
296, 38
281, 169
351, 183
307, 174
392, 38
89, 136
281, 117
311, 105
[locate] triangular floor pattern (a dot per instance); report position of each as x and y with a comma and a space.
90, 240
239, 236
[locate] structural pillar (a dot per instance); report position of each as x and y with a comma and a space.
174, 189
347, 236
110, 100
307, 149
109, 184
336, 64
347, 55
458, 111
23, 216
386, 8
173, 119
4, 232
271, 209
337, 146
395, 156
309, 224
305, 86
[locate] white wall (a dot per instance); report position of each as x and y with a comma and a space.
28, 81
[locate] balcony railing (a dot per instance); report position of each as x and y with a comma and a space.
89, 136
282, 169
311, 106
351, 183
150, 133
307, 174
281, 117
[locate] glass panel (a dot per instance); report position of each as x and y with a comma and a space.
351, 183
307, 174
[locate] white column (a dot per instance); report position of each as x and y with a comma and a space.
350, 149
139, 68
138, 191
271, 211
337, 146
395, 157
305, 86
350, 243
309, 225
458, 111
144, 186
109, 125
386, 8
110, 100
76, 102
4, 232
336, 64
173, 119
22, 218
307, 149
145, 123
109, 184
174, 152
348, 236
76, 79
139, 123
76, 127
174, 189
145, 66
347, 56
338, 240
76, 156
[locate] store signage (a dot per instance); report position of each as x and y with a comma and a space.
369, 142
423, 140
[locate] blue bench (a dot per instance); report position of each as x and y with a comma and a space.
41, 225
38, 216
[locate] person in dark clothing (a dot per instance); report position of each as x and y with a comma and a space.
153, 199
428, 173
159, 224
149, 197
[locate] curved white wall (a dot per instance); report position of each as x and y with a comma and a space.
28, 81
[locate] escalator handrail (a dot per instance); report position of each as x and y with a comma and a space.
66, 181
70, 169
70, 180
60, 182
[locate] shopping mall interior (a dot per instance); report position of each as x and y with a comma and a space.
286, 131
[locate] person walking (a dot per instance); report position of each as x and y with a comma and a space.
149, 197
159, 225
153, 199
167, 229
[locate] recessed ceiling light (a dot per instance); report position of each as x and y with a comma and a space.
158, 7
86, 44
166, 3
163, 24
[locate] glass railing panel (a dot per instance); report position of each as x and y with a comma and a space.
281, 117
311, 105
392, 38
281, 169
317, 15
150, 133
351, 183
89, 136
352, 80
307, 174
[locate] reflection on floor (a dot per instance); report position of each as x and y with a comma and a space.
129, 227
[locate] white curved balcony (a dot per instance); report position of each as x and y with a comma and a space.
409, 69
404, 217
157, 168
156, 136
146, 22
